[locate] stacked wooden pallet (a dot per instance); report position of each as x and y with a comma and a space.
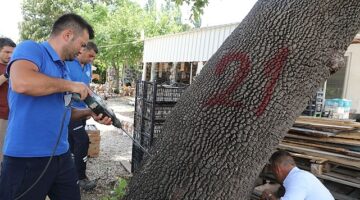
328, 148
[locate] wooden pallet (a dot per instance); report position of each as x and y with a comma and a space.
327, 170
333, 157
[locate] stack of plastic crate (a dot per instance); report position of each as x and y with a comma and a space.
316, 105
153, 103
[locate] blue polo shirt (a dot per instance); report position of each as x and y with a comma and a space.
35, 121
79, 74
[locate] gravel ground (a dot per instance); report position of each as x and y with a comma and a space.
115, 147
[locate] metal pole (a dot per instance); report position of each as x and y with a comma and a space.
191, 74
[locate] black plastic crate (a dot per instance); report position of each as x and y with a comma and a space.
135, 165
145, 141
137, 153
136, 158
157, 130
137, 135
152, 106
137, 123
169, 94
141, 88
309, 112
147, 125
315, 105
165, 93
160, 111
139, 105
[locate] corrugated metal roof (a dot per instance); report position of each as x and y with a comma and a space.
194, 45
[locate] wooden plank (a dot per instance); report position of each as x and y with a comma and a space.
337, 180
343, 177
347, 171
349, 135
323, 147
333, 157
315, 133
353, 149
329, 121
324, 127
339, 196
314, 159
326, 139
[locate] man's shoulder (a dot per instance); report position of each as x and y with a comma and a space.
302, 176
299, 172
72, 63
28, 44
29, 48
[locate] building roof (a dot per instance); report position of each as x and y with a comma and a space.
194, 45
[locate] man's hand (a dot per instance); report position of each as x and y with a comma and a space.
102, 120
81, 89
3, 79
268, 195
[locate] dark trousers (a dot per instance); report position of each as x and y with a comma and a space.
79, 145
59, 181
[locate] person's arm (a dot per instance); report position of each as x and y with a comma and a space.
26, 79
78, 114
3, 79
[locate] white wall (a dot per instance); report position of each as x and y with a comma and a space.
352, 77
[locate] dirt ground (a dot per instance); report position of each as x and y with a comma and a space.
115, 149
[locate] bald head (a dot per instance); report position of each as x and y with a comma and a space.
281, 164
282, 158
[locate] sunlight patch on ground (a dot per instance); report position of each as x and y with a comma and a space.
120, 158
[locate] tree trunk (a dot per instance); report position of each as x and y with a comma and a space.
123, 75
117, 77
226, 125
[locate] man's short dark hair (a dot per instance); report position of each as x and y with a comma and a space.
6, 42
72, 21
281, 157
92, 46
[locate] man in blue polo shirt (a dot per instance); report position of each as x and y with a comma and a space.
37, 161
80, 71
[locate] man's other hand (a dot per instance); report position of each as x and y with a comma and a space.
102, 120
268, 195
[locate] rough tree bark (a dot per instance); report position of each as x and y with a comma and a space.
228, 122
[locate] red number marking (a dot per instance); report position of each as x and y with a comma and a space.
273, 69
222, 98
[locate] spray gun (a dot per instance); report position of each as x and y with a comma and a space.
98, 106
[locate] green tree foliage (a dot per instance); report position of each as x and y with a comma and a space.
164, 21
118, 28
197, 9
39, 15
120, 25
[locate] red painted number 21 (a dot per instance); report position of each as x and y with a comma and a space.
273, 69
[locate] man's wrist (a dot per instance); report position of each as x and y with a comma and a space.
5, 76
